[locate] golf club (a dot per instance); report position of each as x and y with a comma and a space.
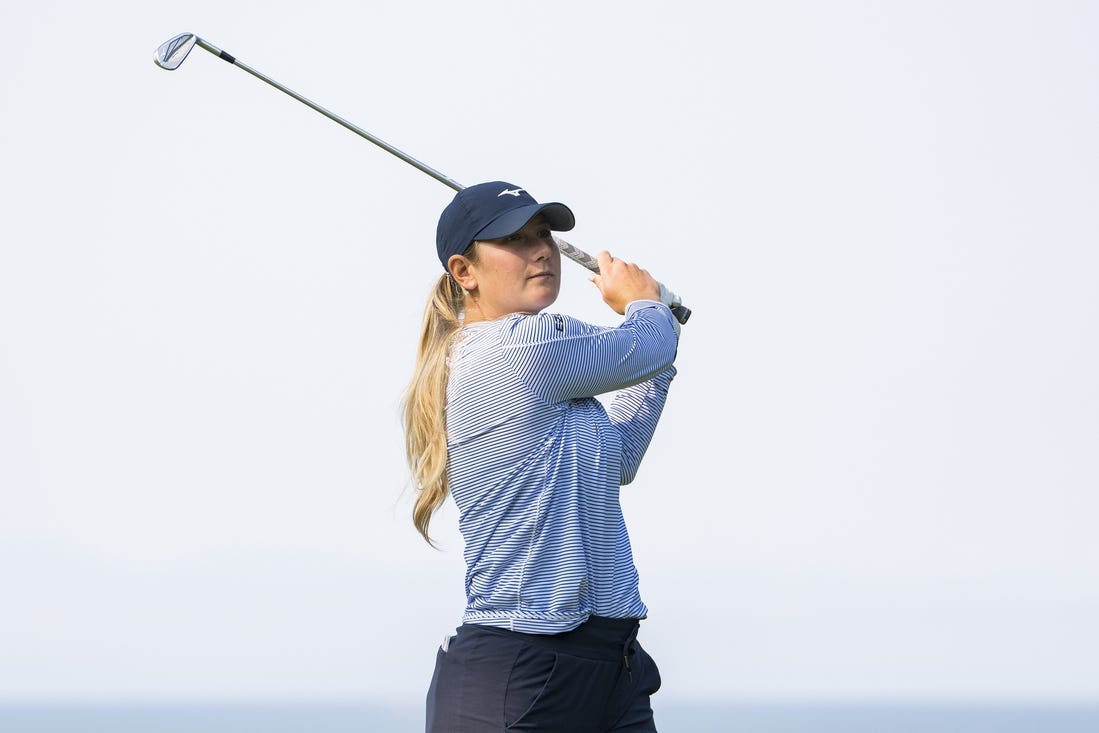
173, 52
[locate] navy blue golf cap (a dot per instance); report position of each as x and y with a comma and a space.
491, 211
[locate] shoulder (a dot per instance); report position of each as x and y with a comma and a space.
532, 329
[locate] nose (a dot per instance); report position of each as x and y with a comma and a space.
544, 247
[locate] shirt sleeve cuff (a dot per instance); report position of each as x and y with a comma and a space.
638, 304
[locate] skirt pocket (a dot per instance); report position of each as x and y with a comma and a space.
530, 676
558, 693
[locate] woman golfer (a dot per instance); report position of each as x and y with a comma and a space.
501, 414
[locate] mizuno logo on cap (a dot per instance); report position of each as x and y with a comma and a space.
509, 192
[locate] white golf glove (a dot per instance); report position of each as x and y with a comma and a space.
670, 299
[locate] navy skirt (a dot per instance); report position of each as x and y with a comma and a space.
593, 679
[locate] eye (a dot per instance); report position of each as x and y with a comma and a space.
514, 237
545, 233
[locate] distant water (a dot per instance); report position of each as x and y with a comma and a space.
366, 718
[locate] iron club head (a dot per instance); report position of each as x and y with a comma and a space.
171, 53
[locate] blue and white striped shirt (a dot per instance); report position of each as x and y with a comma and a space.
535, 461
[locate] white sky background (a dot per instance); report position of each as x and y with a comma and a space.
876, 475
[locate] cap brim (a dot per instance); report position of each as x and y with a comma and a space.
558, 216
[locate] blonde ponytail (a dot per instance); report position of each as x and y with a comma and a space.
425, 402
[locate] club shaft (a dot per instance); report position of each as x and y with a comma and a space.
441, 177
575, 254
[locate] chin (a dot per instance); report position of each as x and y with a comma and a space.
545, 296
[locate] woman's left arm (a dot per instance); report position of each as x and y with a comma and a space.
634, 413
560, 358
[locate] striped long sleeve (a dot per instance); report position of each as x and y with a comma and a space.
535, 461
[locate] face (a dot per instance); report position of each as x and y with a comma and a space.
517, 274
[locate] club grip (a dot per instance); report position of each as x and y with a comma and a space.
681, 312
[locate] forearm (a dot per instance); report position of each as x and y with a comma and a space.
561, 358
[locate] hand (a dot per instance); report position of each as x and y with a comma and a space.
622, 282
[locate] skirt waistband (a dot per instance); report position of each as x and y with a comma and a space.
599, 637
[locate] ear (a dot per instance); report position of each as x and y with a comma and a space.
461, 269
